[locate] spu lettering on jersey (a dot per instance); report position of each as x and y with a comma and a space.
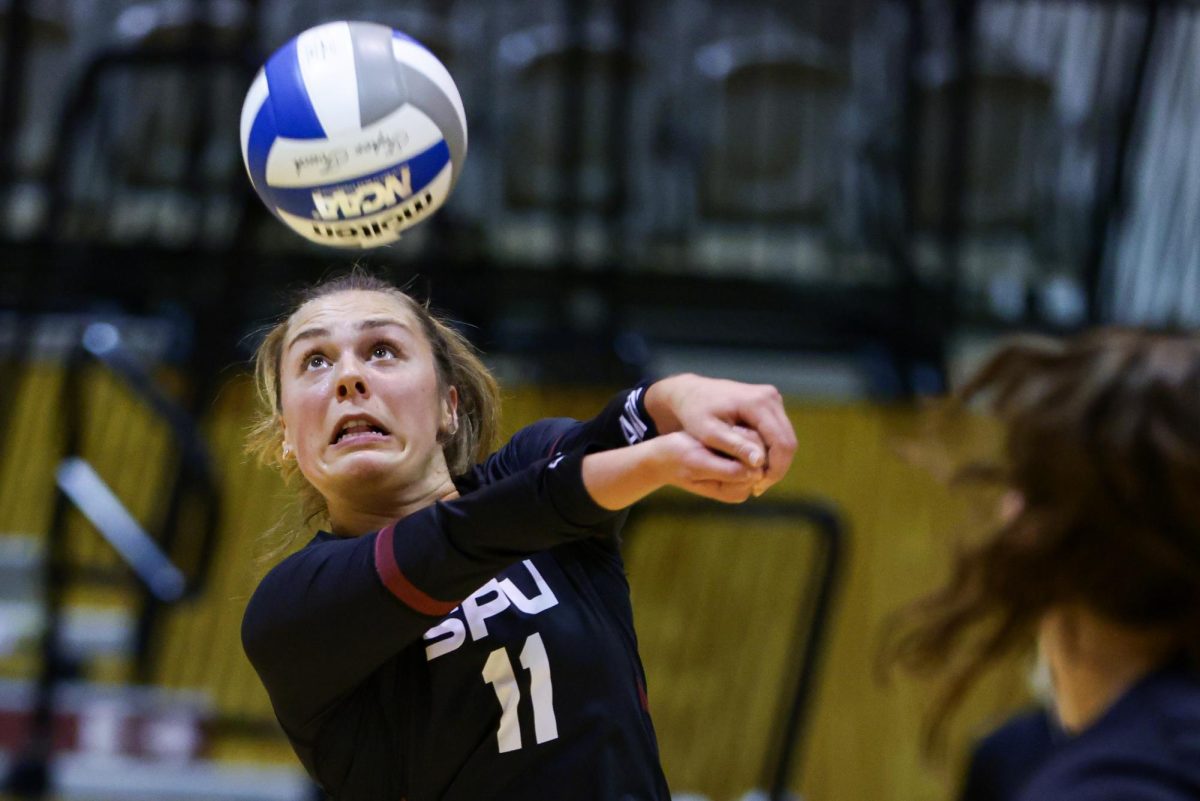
366, 198
471, 616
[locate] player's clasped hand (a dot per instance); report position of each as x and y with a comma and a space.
745, 421
690, 465
620, 477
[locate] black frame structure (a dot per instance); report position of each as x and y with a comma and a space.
814, 517
193, 484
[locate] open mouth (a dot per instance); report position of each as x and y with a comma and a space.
358, 429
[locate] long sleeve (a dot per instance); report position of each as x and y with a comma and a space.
327, 617
623, 421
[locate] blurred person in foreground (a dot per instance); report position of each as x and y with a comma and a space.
462, 628
1096, 556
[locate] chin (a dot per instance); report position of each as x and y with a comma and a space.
370, 470
366, 464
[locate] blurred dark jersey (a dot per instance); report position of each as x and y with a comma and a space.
481, 648
1146, 747
1002, 763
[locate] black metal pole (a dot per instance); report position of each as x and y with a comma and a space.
571, 134
900, 232
811, 634
616, 207
12, 88
201, 106
30, 776
1111, 178
959, 119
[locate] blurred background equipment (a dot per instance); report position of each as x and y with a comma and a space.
847, 199
717, 559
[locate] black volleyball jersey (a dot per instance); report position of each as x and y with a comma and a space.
481, 648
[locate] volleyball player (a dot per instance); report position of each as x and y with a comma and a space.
463, 631
1096, 554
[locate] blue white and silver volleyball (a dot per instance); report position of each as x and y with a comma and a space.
353, 132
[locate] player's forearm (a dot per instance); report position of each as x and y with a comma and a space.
619, 478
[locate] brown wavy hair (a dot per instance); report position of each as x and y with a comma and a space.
1102, 441
457, 363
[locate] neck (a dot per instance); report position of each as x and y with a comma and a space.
1093, 662
353, 517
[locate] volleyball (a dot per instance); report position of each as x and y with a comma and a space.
353, 132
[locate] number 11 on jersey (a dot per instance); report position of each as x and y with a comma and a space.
498, 672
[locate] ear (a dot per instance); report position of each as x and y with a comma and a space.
287, 445
450, 410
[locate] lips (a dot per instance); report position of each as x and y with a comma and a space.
356, 425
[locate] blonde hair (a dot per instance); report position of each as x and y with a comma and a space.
457, 364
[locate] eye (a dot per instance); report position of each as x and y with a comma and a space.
384, 350
314, 361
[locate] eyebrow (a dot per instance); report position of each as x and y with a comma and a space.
382, 322
374, 322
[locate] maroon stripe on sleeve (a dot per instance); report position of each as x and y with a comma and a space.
399, 585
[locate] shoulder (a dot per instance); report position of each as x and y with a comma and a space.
1030, 731
1003, 761
273, 601
299, 564
539, 440
1109, 777
533, 442
1147, 748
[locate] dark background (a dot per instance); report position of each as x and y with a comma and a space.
872, 181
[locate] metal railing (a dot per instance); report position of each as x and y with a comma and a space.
147, 553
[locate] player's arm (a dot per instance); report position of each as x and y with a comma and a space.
747, 422
623, 421
616, 479
328, 616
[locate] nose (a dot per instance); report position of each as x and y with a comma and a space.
352, 382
